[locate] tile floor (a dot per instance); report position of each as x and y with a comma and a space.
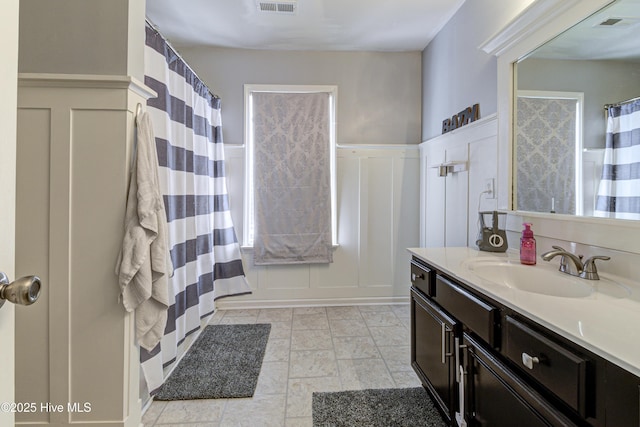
309, 349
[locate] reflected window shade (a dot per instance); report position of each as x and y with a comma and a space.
546, 141
292, 181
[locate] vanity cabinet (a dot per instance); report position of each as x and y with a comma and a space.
486, 364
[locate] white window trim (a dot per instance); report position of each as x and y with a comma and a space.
248, 224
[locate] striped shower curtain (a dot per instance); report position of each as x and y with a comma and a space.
204, 249
619, 191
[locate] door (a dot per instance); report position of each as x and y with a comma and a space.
8, 112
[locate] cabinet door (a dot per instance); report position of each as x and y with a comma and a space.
623, 397
432, 342
498, 398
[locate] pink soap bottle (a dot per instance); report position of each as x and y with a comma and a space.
527, 246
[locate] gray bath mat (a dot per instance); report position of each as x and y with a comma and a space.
383, 407
224, 362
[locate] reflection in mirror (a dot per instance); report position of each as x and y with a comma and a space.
549, 151
569, 156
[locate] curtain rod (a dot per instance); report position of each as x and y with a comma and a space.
617, 104
155, 28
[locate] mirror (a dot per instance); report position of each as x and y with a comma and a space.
561, 122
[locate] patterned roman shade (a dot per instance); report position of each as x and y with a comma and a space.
292, 180
546, 144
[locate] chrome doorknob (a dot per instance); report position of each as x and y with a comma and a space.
24, 291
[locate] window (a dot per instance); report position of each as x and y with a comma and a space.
290, 173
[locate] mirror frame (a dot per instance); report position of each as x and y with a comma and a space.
541, 21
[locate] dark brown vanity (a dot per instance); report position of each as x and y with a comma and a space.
486, 364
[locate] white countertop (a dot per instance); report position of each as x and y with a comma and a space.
606, 325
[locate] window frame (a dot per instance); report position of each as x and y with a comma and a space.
248, 209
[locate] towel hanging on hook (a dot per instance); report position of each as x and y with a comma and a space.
138, 111
134, 152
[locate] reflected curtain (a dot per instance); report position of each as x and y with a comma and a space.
619, 190
203, 245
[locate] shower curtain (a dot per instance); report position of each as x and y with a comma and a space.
203, 245
619, 190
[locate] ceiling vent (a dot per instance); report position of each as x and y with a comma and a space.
280, 7
617, 22
611, 21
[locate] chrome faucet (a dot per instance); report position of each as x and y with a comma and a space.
586, 270
589, 270
564, 265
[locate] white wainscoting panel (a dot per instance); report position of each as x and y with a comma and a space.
483, 165
432, 196
378, 218
449, 205
342, 273
77, 343
456, 196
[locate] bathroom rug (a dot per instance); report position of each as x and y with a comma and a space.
224, 362
375, 407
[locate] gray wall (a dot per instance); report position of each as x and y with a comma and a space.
456, 73
602, 82
378, 92
82, 37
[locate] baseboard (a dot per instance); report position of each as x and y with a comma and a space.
229, 304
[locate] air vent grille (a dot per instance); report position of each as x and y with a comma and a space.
283, 7
286, 7
268, 7
618, 22
611, 21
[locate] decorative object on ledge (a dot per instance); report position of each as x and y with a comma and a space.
492, 238
464, 117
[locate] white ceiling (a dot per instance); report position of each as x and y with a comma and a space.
365, 25
591, 40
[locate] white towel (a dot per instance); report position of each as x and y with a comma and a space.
144, 265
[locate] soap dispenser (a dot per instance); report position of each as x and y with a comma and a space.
527, 246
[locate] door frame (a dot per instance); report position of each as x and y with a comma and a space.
9, 18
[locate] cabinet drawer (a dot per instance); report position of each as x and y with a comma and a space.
499, 398
421, 277
559, 369
476, 314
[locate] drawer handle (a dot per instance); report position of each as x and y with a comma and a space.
529, 361
415, 277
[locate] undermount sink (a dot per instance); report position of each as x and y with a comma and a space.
540, 280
